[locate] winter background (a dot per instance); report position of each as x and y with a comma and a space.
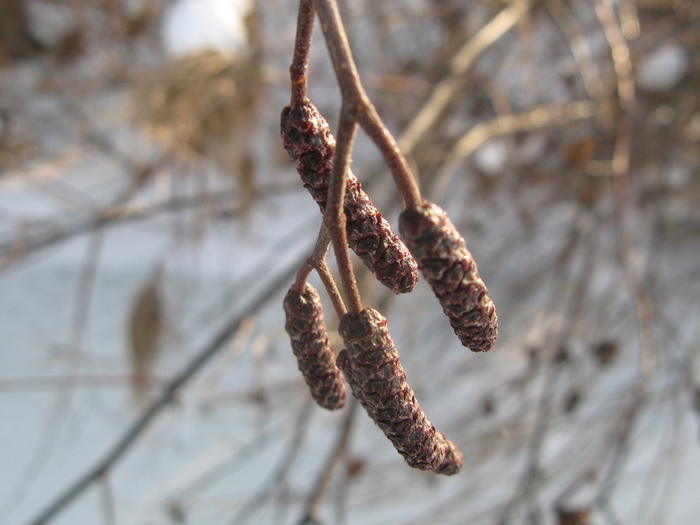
146, 202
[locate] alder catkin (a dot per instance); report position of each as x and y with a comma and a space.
308, 140
450, 270
307, 331
371, 366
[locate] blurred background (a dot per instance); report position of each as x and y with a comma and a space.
151, 223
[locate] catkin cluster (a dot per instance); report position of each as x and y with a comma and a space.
308, 140
370, 361
307, 331
450, 270
371, 366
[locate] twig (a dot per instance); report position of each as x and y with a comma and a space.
280, 473
12, 251
445, 90
329, 283
184, 494
63, 404
312, 503
55, 382
572, 302
302, 46
536, 118
334, 217
581, 52
131, 435
317, 261
621, 443
530, 120
620, 53
356, 103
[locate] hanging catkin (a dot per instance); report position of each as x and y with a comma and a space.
450, 270
308, 140
371, 366
307, 331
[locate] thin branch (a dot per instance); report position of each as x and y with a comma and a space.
131, 435
531, 120
280, 473
63, 404
396, 162
321, 486
327, 278
59, 382
445, 91
620, 53
317, 261
302, 46
341, 55
334, 216
581, 52
15, 249
317, 255
357, 105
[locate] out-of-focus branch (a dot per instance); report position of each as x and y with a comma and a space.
14, 250
536, 118
312, 504
445, 91
133, 433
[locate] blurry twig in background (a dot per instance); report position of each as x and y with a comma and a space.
534, 119
122, 445
444, 92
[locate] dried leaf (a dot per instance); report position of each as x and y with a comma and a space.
145, 332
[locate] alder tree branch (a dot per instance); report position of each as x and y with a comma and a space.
334, 217
356, 103
317, 261
302, 47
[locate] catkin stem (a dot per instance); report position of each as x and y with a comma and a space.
334, 217
372, 124
312, 261
317, 261
327, 279
302, 46
357, 103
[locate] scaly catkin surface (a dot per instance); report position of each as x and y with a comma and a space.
450, 270
307, 331
371, 366
308, 140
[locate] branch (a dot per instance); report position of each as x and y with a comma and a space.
445, 91
356, 103
131, 435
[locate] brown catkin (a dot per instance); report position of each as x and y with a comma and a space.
307, 331
308, 140
371, 366
450, 270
